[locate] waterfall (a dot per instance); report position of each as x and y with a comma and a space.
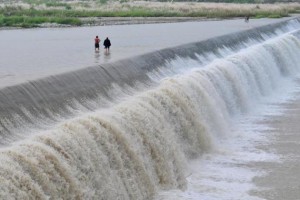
125, 132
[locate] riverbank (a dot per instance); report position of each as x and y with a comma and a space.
104, 21
137, 12
109, 21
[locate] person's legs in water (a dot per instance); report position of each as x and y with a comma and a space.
96, 47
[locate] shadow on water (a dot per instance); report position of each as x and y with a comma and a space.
107, 56
97, 57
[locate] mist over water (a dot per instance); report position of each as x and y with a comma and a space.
132, 129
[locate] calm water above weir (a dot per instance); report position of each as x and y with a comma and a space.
34, 53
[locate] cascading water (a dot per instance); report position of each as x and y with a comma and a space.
173, 111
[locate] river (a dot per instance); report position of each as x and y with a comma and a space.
195, 110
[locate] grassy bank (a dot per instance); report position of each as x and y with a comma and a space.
31, 15
34, 21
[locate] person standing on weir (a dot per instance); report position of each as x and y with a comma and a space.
107, 44
247, 18
97, 41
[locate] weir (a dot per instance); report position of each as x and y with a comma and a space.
46, 101
127, 129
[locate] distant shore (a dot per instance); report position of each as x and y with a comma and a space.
91, 13
110, 21
103, 21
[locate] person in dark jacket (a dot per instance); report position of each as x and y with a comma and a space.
107, 44
247, 18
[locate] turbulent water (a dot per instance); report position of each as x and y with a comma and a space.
129, 129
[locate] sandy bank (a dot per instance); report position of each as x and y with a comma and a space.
103, 21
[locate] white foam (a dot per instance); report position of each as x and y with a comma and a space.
228, 172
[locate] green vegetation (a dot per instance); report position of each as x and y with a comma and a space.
20, 17
57, 4
59, 12
27, 22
